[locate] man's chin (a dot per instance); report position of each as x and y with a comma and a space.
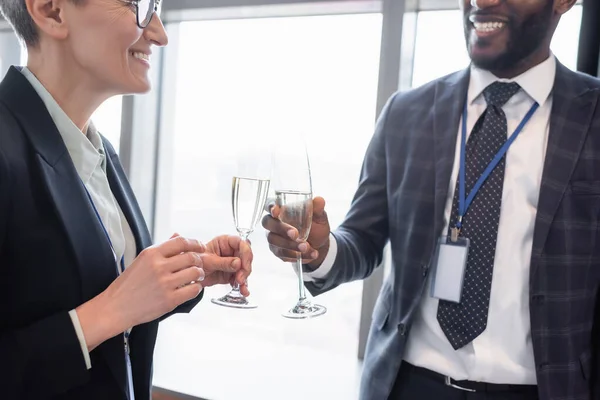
487, 60
485, 63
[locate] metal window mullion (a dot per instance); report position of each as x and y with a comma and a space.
139, 141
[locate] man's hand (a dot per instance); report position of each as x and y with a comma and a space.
283, 238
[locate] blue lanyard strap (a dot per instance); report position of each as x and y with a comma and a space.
126, 334
463, 205
122, 263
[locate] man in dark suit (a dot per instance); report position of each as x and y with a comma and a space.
487, 185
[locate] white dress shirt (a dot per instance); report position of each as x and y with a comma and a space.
503, 353
89, 159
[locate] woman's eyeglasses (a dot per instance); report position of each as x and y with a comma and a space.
145, 10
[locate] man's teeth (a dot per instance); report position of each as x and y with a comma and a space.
141, 56
488, 26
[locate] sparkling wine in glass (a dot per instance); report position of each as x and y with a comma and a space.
248, 197
293, 190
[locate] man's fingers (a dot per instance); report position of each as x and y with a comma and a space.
269, 204
285, 243
180, 244
279, 228
290, 255
319, 214
272, 208
275, 211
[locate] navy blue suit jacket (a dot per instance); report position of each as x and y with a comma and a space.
401, 198
54, 257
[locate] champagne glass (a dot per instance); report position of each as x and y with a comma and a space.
292, 184
249, 190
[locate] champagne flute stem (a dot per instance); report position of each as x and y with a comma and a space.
301, 288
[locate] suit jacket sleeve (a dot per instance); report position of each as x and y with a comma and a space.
30, 355
184, 308
363, 235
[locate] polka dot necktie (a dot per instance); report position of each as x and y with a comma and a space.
462, 322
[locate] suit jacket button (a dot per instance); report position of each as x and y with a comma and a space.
425, 269
402, 329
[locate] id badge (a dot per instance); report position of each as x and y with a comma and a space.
450, 264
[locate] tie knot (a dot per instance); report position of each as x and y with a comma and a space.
498, 93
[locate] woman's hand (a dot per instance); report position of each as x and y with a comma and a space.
161, 278
229, 246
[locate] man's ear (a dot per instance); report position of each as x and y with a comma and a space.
562, 6
48, 16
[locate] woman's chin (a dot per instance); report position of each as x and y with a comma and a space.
142, 89
139, 86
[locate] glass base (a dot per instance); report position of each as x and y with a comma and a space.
234, 300
305, 309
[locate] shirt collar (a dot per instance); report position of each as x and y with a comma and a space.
83, 151
537, 82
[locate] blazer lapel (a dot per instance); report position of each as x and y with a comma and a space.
572, 110
92, 252
450, 97
126, 199
65, 189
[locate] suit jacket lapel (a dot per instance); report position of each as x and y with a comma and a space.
572, 110
91, 249
126, 199
92, 252
450, 97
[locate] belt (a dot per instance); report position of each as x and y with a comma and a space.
469, 386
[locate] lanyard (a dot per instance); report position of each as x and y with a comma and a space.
463, 205
122, 263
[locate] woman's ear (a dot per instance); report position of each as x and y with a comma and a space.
48, 16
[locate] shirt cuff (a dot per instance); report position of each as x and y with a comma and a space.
326, 266
82, 343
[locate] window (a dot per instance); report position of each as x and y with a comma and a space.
320, 72
438, 54
23, 55
9, 50
107, 120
